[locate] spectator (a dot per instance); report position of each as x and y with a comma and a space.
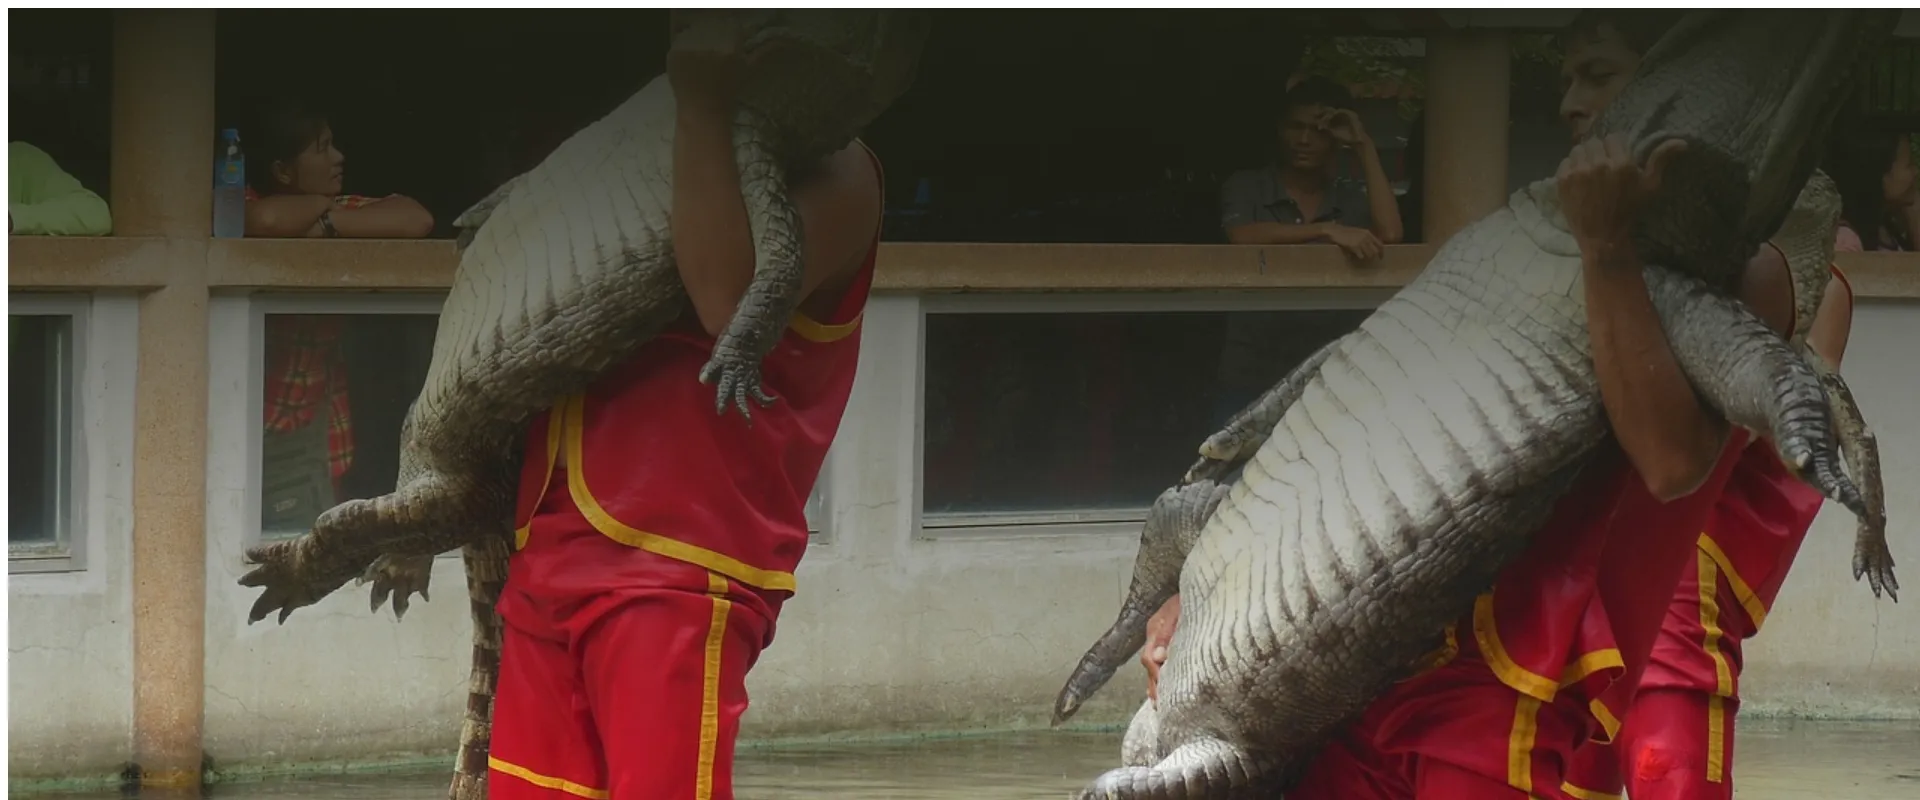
295, 190
1303, 199
1299, 201
294, 183
1873, 168
43, 200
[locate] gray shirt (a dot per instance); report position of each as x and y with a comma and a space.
1255, 195
1256, 341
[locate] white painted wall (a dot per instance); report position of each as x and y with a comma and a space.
889, 631
1830, 649
70, 634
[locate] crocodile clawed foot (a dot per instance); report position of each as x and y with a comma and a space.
1819, 467
285, 591
735, 379
1872, 560
398, 577
1206, 468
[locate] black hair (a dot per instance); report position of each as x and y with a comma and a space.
1639, 28
278, 129
1315, 91
1859, 152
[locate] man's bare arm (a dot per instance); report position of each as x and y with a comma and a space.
837, 199
395, 217
1672, 440
1380, 198
1278, 233
287, 216
1833, 323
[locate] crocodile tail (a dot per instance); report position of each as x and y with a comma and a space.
486, 562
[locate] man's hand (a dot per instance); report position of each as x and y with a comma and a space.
1159, 632
706, 60
1345, 127
1602, 189
1359, 243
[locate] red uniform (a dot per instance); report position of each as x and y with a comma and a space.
1542, 662
1678, 739
656, 542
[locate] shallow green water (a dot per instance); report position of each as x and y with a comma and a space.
1774, 761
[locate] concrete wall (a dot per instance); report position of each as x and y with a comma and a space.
1829, 649
890, 630
70, 634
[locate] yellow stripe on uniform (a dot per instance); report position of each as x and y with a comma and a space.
1526, 725
1486, 634
545, 781
813, 330
1722, 671
1742, 591
1578, 793
618, 531
710, 686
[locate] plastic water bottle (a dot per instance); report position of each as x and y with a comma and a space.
230, 188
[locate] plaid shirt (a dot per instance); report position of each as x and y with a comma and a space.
306, 368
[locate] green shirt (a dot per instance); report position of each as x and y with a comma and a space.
44, 200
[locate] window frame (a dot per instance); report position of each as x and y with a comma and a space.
820, 531
68, 550
259, 307
1080, 521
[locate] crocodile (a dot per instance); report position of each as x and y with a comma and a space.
564, 270
1386, 481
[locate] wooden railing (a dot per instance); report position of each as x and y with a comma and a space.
38, 263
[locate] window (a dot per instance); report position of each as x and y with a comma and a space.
817, 510
334, 387
43, 351
1084, 417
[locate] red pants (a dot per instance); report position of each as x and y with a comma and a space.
1675, 743
1455, 733
622, 674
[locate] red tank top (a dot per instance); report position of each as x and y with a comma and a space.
1567, 617
650, 464
1739, 563
1581, 609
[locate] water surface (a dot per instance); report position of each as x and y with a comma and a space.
1774, 760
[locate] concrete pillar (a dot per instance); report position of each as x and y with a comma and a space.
163, 142
1468, 86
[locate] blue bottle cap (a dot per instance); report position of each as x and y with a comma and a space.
230, 133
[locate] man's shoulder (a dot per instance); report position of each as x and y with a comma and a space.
1249, 185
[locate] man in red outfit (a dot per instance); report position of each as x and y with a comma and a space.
656, 539
1547, 659
1676, 741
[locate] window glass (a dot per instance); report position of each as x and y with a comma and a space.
39, 401
817, 506
60, 89
336, 388
1082, 413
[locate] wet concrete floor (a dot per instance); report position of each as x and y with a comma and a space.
1775, 760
